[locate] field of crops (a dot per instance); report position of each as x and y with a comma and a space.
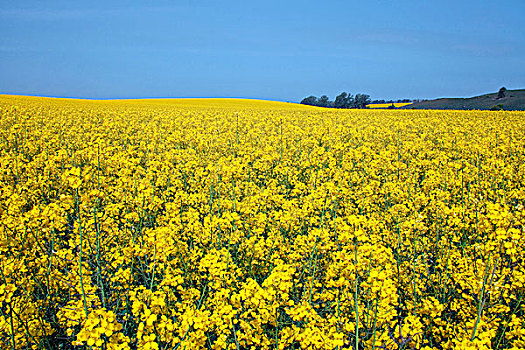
238, 224
387, 105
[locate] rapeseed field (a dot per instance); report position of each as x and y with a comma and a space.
387, 105
238, 224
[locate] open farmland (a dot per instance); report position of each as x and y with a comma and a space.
388, 105
239, 224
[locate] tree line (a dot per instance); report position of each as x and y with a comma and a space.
405, 100
343, 100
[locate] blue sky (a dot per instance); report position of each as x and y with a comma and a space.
283, 50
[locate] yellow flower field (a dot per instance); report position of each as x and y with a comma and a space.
240, 224
386, 105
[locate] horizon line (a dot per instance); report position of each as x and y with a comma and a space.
146, 98
217, 97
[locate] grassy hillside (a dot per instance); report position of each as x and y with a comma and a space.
513, 100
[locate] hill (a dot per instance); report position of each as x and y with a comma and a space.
513, 100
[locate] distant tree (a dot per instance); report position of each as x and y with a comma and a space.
310, 100
392, 106
340, 100
361, 100
344, 100
498, 107
501, 92
349, 101
323, 101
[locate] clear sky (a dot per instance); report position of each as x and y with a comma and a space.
283, 50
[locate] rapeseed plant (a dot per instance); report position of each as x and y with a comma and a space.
231, 224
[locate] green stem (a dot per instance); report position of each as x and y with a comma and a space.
153, 274
507, 324
80, 257
12, 326
375, 324
481, 299
356, 306
99, 273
